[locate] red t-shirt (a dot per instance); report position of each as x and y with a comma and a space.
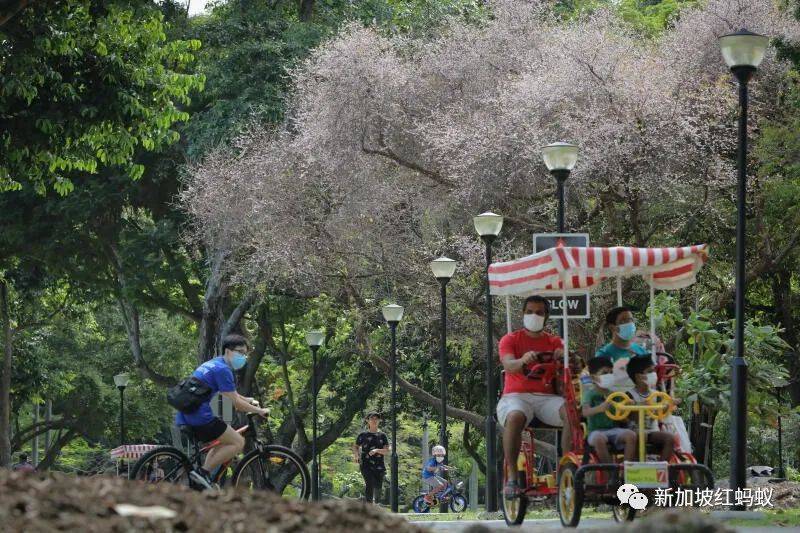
515, 345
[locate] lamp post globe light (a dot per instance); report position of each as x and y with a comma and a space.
314, 339
560, 159
443, 269
488, 226
121, 381
743, 51
393, 314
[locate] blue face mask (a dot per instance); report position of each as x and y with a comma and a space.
238, 361
626, 331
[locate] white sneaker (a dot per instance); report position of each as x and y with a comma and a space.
202, 480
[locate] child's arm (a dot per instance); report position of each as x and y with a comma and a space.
591, 411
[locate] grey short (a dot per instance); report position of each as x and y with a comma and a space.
614, 436
433, 482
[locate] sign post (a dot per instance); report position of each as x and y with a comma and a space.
577, 301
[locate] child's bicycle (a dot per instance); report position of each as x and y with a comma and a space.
451, 496
266, 466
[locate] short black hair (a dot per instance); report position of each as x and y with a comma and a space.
637, 365
540, 299
23, 457
611, 316
598, 363
233, 340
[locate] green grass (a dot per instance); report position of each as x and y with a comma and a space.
776, 517
532, 514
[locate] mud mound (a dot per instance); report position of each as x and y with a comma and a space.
57, 502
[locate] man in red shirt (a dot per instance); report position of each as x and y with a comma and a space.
525, 399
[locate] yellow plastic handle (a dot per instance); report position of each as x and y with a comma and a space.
618, 410
662, 403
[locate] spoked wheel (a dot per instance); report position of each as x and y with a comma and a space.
623, 513
514, 508
570, 497
275, 469
162, 465
419, 505
458, 504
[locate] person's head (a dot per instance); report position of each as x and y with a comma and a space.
235, 348
601, 369
373, 418
438, 453
535, 312
642, 372
23, 458
621, 324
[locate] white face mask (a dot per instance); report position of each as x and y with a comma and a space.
606, 381
652, 379
439, 458
534, 323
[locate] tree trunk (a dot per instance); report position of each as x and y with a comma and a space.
305, 9
212, 322
55, 450
5, 379
701, 431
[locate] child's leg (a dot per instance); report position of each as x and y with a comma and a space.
666, 440
630, 439
599, 442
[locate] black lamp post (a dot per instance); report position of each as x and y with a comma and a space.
443, 269
121, 381
314, 339
743, 52
560, 159
488, 226
393, 313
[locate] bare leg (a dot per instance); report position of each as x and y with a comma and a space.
666, 440
566, 433
512, 440
231, 444
600, 445
630, 440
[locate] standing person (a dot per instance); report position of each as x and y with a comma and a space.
23, 465
218, 375
525, 399
368, 451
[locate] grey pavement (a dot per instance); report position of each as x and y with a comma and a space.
551, 524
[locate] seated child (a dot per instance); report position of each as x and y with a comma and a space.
643, 374
431, 470
603, 430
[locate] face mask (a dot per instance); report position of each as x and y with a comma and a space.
626, 331
534, 323
605, 381
238, 361
652, 379
439, 458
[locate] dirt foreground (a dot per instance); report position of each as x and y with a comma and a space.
57, 502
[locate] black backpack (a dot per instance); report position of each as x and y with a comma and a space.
188, 395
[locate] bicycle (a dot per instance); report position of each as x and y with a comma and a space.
266, 466
451, 495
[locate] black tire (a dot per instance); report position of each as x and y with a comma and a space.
623, 513
458, 504
162, 465
570, 497
514, 508
419, 505
277, 469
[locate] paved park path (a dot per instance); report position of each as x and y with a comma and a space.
555, 524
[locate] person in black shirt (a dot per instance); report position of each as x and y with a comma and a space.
368, 451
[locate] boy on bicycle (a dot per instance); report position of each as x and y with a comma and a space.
218, 375
431, 473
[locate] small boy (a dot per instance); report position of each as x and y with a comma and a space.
643, 374
602, 430
431, 472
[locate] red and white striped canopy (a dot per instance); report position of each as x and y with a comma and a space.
131, 451
568, 268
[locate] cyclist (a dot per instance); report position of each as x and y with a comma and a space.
431, 471
218, 375
524, 399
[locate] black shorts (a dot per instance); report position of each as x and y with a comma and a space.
210, 431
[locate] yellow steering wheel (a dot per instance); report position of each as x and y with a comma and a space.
663, 405
618, 405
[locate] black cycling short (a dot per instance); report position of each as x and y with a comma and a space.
210, 431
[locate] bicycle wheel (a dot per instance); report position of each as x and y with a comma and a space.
458, 504
162, 465
419, 505
277, 469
